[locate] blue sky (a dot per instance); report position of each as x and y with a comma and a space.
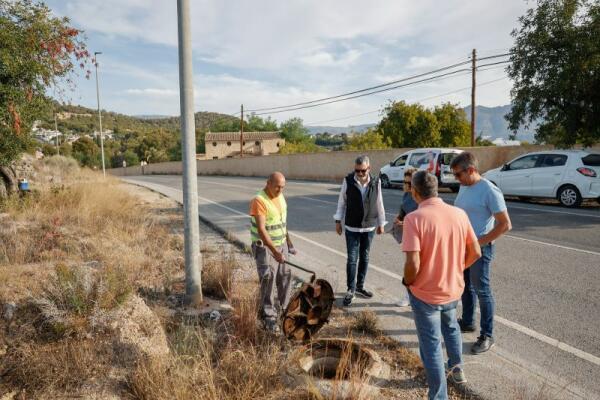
271, 53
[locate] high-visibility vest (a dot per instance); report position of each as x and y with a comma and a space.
275, 222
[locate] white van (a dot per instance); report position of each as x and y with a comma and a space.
435, 160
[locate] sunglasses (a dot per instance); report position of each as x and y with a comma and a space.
457, 174
361, 171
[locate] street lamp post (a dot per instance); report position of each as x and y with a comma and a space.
99, 112
193, 257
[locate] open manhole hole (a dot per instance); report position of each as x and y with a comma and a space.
339, 367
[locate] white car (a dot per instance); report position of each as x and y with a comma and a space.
435, 160
567, 175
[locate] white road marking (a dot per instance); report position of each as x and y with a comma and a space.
442, 195
595, 253
520, 328
548, 340
509, 236
511, 204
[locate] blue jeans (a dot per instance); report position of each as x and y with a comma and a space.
477, 286
358, 245
434, 321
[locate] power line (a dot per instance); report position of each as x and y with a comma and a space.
494, 63
415, 101
375, 87
437, 77
363, 90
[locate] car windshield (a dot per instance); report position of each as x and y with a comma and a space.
448, 157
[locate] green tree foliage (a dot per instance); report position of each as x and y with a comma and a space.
556, 72
370, 140
128, 156
409, 125
49, 150
297, 139
257, 124
66, 149
326, 139
306, 146
37, 51
479, 141
86, 152
293, 131
455, 129
413, 125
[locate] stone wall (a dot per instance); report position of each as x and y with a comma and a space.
330, 166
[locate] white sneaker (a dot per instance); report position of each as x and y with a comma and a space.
404, 302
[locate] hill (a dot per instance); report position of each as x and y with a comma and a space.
490, 122
77, 120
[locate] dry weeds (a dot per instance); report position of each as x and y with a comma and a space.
81, 243
366, 321
81, 218
217, 274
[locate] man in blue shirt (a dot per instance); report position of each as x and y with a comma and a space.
484, 204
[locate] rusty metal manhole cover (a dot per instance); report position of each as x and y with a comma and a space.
308, 310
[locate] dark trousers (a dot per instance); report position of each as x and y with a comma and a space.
478, 287
358, 245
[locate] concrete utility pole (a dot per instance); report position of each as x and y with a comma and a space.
56, 130
473, 69
193, 256
242, 133
99, 112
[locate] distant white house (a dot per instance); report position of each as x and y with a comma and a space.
505, 142
44, 135
108, 134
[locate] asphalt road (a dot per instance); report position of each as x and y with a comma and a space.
546, 275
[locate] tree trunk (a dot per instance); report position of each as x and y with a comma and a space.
8, 182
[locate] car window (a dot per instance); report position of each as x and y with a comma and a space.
400, 161
591, 160
524, 162
448, 157
553, 160
417, 159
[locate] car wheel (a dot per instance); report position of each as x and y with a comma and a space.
385, 182
569, 196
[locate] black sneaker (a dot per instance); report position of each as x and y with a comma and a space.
348, 298
465, 328
364, 293
483, 344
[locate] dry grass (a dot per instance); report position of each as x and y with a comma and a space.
233, 360
45, 369
80, 218
245, 326
366, 322
74, 294
217, 274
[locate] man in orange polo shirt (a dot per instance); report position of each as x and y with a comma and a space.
440, 244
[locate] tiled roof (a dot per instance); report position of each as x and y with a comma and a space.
235, 136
